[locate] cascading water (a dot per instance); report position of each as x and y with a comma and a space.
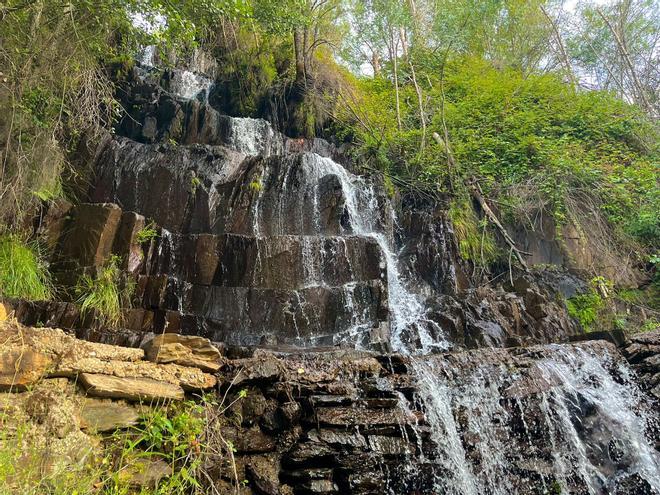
407, 313
581, 401
568, 420
479, 425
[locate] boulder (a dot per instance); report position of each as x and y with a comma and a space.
185, 350
133, 389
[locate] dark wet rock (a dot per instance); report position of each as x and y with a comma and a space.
249, 441
616, 336
89, 234
349, 416
310, 454
263, 474
51, 225
126, 244
338, 438
390, 446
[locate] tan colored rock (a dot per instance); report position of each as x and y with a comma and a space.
106, 415
186, 350
22, 367
5, 311
188, 378
57, 344
133, 389
66, 356
90, 233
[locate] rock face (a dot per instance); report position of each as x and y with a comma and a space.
266, 240
643, 352
274, 248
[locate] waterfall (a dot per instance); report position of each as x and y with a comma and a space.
189, 85
548, 419
581, 400
407, 312
253, 137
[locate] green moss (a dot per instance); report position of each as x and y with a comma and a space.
256, 185
23, 273
587, 308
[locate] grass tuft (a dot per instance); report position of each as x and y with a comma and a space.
23, 274
104, 294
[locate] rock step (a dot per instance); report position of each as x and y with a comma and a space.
135, 389
276, 262
197, 122
309, 316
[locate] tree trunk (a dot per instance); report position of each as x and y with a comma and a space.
418, 90
623, 49
395, 69
299, 51
562, 49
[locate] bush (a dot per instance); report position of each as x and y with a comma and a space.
23, 273
147, 233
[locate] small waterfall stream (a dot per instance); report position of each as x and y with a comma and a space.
484, 410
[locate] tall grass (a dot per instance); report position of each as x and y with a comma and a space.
23, 273
104, 294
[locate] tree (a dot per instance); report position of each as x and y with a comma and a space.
615, 47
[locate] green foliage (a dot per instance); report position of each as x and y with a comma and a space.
256, 185
475, 242
147, 233
23, 471
172, 434
23, 273
105, 294
532, 141
586, 308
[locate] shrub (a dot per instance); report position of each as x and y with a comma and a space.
587, 308
23, 273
